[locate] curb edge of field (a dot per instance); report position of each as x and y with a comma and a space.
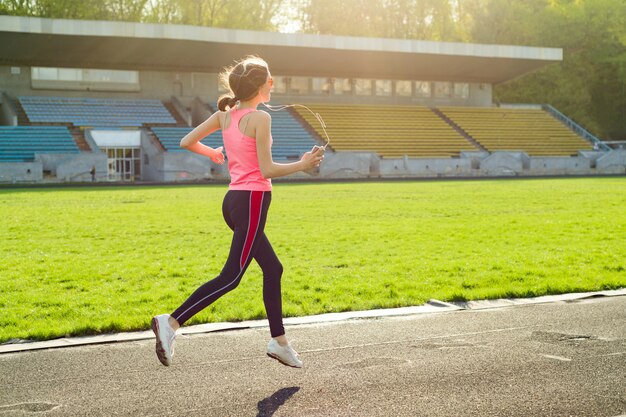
432, 306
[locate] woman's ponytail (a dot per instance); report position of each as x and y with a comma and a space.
226, 101
242, 81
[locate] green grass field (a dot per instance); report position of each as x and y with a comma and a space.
89, 260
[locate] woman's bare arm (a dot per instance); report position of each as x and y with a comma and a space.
191, 141
269, 168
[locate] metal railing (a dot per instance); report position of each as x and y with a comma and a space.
597, 143
618, 144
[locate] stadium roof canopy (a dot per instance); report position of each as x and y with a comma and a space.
32, 41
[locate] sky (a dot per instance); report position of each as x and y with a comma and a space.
286, 18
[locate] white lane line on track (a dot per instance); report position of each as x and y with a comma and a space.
558, 358
607, 354
391, 342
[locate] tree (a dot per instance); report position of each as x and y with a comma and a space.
161, 11
589, 85
75, 9
15, 7
241, 14
404, 19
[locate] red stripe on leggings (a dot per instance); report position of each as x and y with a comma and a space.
256, 201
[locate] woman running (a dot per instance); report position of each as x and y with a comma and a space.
248, 142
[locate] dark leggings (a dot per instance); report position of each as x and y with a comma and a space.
245, 213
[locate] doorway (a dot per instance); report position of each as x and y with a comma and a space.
124, 164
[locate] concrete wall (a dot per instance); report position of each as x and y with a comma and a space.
91, 141
8, 116
151, 159
185, 166
199, 112
340, 165
479, 95
154, 85
585, 163
431, 167
559, 166
591, 156
56, 167
176, 166
472, 164
186, 86
613, 162
61, 167
15, 84
15, 172
74, 167
475, 157
504, 163
349, 165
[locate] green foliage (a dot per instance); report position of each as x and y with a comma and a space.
244, 14
590, 84
128, 10
404, 19
93, 260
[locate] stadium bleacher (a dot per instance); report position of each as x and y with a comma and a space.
389, 130
392, 131
290, 139
96, 112
507, 129
20, 143
170, 138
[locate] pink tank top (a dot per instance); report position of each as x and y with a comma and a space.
243, 161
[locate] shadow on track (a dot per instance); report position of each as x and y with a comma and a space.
268, 406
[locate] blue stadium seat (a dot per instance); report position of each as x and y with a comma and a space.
95, 112
20, 143
291, 140
170, 138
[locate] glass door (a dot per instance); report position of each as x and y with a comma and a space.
124, 164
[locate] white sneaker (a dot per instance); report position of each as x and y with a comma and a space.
284, 354
165, 336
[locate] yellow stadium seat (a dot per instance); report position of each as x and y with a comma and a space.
390, 131
531, 130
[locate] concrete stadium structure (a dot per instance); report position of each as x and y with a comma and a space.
178, 65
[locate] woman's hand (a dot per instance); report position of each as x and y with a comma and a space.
191, 141
312, 159
217, 155
270, 169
